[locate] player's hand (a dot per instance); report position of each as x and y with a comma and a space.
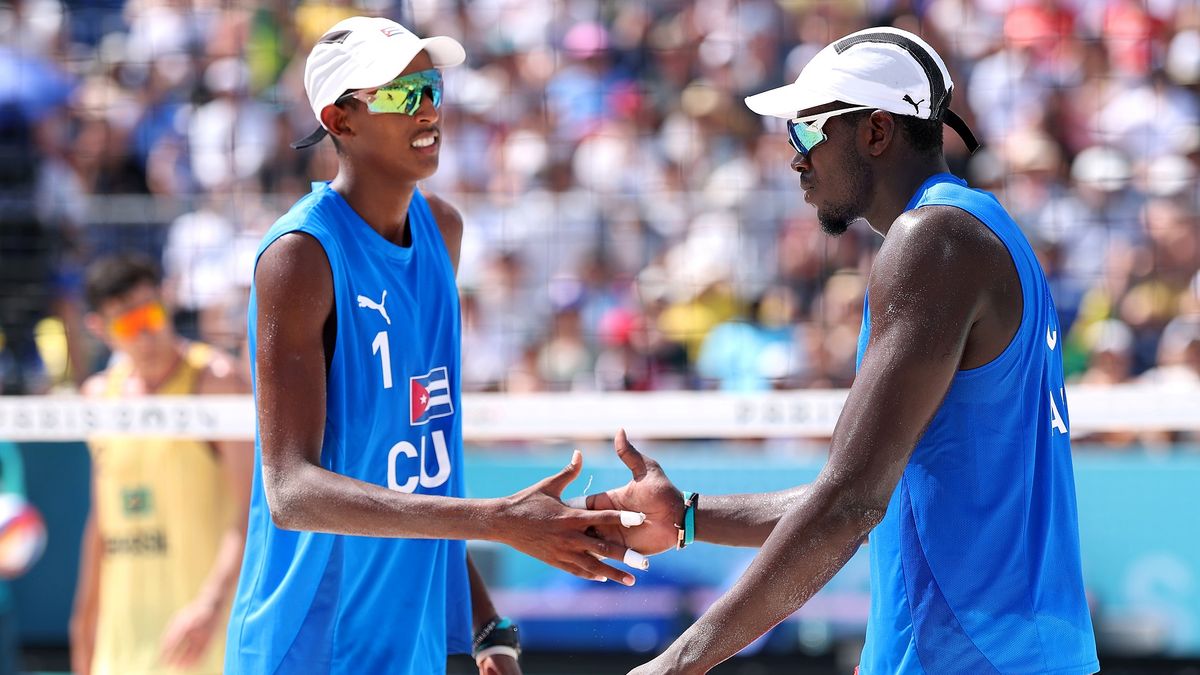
536, 522
498, 664
649, 492
188, 634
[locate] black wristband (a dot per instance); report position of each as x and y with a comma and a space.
499, 631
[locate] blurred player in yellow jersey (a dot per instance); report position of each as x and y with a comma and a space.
163, 542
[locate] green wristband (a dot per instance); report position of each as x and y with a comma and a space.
687, 533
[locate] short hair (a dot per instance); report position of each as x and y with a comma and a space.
112, 277
924, 136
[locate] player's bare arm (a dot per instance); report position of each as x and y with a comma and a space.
187, 635
450, 223
930, 286
482, 612
295, 311
86, 608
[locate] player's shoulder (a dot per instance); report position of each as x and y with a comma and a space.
446, 215
942, 234
95, 385
935, 249
217, 371
293, 278
291, 253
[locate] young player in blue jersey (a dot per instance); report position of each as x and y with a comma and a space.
952, 451
354, 558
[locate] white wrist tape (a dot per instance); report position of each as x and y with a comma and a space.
579, 502
495, 650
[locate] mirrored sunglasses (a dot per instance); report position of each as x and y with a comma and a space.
805, 133
150, 317
404, 94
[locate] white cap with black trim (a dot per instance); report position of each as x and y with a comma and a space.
886, 68
364, 52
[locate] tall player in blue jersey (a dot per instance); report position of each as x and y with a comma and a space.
952, 451
354, 558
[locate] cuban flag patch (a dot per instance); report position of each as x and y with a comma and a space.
429, 396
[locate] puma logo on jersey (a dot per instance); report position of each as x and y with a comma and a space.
364, 301
1051, 338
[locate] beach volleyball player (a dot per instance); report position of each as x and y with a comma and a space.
354, 557
953, 449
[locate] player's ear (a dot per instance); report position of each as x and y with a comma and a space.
336, 119
879, 132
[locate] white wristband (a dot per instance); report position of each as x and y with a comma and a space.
494, 650
579, 502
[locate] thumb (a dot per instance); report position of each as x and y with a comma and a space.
629, 455
555, 484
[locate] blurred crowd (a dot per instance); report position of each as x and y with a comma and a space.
630, 224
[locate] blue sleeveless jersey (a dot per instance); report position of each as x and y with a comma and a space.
975, 568
310, 602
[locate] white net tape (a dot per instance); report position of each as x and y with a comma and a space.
497, 417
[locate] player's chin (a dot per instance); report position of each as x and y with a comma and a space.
834, 222
419, 166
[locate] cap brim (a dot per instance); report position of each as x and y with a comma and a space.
786, 101
311, 139
445, 52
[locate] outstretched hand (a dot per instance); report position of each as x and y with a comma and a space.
536, 522
651, 493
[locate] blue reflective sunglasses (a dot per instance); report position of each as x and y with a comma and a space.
804, 133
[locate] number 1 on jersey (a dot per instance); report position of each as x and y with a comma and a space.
380, 346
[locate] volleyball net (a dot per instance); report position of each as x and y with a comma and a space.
540, 417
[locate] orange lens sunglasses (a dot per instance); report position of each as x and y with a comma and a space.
150, 317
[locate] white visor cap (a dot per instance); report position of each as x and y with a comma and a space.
364, 52
885, 68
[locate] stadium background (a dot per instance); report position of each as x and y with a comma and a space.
630, 227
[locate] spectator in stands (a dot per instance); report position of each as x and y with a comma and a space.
621, 135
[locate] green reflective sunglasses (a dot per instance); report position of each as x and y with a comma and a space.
404, 94
804, 133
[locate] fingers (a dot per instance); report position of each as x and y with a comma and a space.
629, 455
632, 518
612, 517
555, 484
635, 560
606, 549
171, 646
181, 649
190, 654
600, 570
574, 567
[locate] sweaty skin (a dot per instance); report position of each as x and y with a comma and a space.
945, 296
